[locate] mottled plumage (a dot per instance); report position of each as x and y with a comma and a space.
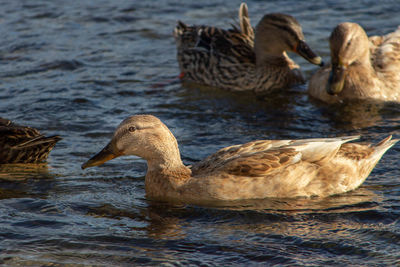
21, 144
240, 59
259, 169
361, 67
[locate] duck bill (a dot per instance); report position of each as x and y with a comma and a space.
305, 51
104, 155
336, 80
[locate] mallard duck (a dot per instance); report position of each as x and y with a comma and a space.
22, 144
239, 59
255, 170
361, 67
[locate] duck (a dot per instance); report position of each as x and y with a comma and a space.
243, 58
361, 67
256, 170
23, 144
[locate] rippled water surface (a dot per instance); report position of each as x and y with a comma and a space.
78, 68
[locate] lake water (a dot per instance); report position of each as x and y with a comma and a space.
77, 68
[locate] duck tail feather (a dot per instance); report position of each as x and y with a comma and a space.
244, 20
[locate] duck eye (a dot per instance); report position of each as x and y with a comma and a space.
132, 129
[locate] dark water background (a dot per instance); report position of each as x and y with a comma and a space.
77, 68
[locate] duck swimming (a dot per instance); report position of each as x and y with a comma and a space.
240, 59
361, 67
22, 144
255, 170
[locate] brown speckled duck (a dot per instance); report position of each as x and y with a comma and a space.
259, 169
21, 144
240, 59
361, 67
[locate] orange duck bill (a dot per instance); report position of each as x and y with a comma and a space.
106, 154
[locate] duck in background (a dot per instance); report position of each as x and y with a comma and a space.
240, 59
22, 144
255, 170
361, 67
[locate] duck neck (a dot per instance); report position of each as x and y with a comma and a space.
363, 66
268, 49
273, 60
166, 173
167, 161
361, 80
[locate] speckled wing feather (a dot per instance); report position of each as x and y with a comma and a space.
385, 56
232, 43
262, 163
355, 151
359, 152
216, 57
317, 150
226, 154
21, 144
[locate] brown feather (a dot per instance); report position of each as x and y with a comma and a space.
22, 144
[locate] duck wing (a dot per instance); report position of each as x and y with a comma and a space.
385, 57
213, 40
226, 154
260, 163
21, 144
236, 42
258, 158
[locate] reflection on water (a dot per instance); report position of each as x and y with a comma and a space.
351, 201
78, 69
25, 180
167, 220
20, 172
358, 114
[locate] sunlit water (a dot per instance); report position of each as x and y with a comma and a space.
77, 68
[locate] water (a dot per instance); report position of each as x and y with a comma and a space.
77, 69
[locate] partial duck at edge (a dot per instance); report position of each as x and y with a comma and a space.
361, 67
22, 144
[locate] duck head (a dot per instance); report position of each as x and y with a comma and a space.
277, 33
144, 136
349, 45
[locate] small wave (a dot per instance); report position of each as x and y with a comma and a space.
62, 65
40, 223
24, 47
45, 15
67, 65
125, 19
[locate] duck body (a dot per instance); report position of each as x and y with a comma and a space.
361, 67
255, 170
240, 59
22, 144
